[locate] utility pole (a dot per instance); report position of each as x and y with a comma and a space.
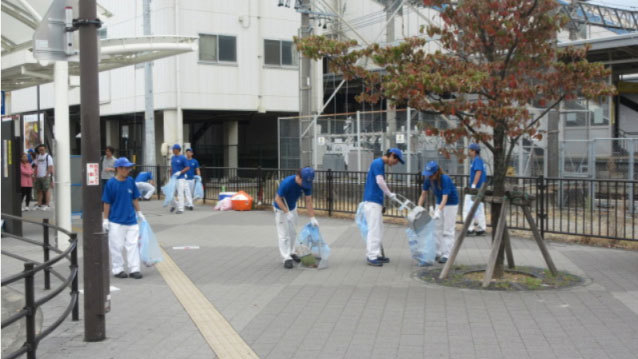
149, 116
94, 240
391, 115
305, 85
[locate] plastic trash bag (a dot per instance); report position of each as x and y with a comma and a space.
169, 191
311, 248
150, 252
198, 193
360, 219
225, 204
423, 244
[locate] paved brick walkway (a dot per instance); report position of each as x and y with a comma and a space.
350, 309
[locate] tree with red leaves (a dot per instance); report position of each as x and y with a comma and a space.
499, 59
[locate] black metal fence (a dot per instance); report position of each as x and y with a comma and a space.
31, 268
583, 207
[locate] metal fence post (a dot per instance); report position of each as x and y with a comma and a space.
45, 248
540, 188
159, 182
260, 186
29, 298
330, 198
74, 283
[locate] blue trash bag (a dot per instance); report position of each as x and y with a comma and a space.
423, 244
311, 248
169, 191
198, 193
360, 219
150, 252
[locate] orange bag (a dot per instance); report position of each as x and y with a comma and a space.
242, 201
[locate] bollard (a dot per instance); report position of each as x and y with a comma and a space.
45, 248
29, 297
74, 284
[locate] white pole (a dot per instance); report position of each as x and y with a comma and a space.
358, 141
315, 157
149, 112
408, 135
63, 152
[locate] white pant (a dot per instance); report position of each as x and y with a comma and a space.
445, 235
124, 237
182, 190
374, 219
191, 189
479, 216
286, 232
146, 189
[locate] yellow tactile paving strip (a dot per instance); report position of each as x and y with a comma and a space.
220, 335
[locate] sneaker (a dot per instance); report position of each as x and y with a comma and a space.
45, 208
27, 209
374, 262
136, 275
383, 259
288, 263
121, 274
295, 258
24, 209
190, 208
480, 233
179, 212
470, 233
172, 209
443, 260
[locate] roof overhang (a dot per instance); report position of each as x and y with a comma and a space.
21, 70
620, 52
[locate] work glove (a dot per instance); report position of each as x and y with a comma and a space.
290, 216
140, 216
105, 225
437, 214
392, 196
176, 174
199, 178
431, 211
314, 221
473, 185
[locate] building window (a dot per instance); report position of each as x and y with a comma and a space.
217, 48
279, 53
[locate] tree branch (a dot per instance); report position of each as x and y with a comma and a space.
540, 116
471, 129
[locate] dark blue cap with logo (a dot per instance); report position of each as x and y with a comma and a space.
430, 169
123, 162
307, 176
177, 147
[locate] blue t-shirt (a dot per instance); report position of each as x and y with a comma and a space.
144, 176
373, 192
291, 191
477, 165
178, 163
447, 187
193, 164
120, 195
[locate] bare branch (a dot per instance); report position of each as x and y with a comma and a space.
531, 124
471, 129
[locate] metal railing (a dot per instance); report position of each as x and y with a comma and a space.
31, 268
583, 207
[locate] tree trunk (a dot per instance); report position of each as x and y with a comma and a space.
498, 182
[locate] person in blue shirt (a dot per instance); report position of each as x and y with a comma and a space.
179, 167
477, 178
285, 206
120, 209
191, 175
447, 205
375, 188
145, 184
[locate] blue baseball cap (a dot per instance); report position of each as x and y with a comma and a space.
474, 147
177, 147
189, 150
397, 152
123, 162
430, 169
307, 176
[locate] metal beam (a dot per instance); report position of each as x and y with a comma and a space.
19, 14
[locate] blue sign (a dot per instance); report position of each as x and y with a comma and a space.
3, 102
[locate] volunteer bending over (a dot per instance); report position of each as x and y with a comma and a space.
120, 206
477, 178
373, 204
447, 204
285, 206
145, 184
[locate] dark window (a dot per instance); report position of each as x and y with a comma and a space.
228, 48
216, 48
280, 53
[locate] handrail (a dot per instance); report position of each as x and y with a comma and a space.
30, 269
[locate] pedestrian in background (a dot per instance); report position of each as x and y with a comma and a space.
477, 178
107, 165
179, 167
193, 170
26, 181
120, 208
447, 206
43, 177
373, 193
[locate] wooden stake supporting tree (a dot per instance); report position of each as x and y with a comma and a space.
501, 238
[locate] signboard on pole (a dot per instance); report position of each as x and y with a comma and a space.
92, 174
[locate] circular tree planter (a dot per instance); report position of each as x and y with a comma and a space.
518, 279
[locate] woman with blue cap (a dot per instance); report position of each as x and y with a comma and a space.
285, 206
477, 178
373, 204
447, 205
